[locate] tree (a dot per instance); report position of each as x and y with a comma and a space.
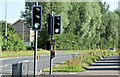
48, 7
14, 42
112, 30
104, 12
84, 19
117, 11
86, 25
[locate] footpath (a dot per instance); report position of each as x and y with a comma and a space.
106, 67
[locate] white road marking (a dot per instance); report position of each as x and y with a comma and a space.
16, 57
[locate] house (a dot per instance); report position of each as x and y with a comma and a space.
24, 31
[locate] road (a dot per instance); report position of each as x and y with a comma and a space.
107, 67
42, 63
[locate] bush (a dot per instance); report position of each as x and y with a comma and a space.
14, 42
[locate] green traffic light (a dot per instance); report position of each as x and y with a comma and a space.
36, 25
56, 30
37, 18
57, 24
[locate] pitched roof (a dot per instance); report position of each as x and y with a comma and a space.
17, 21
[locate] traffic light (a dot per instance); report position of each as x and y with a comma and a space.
50, 24
57, 24
52, 54
37, 18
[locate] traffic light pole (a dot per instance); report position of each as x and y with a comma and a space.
51, 60
35, 54
35, 51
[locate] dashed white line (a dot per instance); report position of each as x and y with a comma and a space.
16, 57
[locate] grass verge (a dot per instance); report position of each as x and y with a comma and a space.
6, 54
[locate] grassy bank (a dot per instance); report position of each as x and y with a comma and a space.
81, 62
6, 54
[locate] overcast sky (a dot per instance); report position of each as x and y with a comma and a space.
14, 7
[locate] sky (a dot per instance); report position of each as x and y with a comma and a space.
14, 8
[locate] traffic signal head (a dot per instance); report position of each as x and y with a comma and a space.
53, 41
57, 27
52, 54
50, 24
37, 18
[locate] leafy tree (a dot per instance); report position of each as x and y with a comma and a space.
14, 42
86, 25
117, 11
48, 7
112, 30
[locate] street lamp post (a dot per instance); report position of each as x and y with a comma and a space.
23, 30
23, 34
6, 20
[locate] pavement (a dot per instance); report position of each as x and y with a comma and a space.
106, 66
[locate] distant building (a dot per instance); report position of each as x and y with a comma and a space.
24, 32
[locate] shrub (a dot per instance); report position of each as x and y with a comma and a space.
14, 42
